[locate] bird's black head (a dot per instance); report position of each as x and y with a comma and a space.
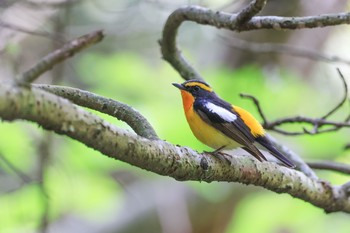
196, 88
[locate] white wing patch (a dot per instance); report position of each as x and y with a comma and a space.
222, 112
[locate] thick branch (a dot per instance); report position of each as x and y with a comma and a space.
68, 50
121, 111
346, 188
218, 19
299, 163
58, 114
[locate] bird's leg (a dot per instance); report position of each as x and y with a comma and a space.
220, 155
215, 152
218, 150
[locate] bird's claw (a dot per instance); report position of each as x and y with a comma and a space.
220, 155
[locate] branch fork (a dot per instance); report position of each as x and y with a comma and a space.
49, 107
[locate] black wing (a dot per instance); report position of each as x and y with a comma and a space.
234, 129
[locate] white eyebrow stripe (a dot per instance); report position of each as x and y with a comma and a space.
222, 112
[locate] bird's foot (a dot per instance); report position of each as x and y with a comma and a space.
220, 155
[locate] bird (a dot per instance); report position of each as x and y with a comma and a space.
223, 126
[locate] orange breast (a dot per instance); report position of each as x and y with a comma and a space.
204, 132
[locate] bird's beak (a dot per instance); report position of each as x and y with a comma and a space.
179, 86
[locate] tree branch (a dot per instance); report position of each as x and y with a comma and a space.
253, 8
24, 30
299, 163
317, 123
52, 4
345, 97
24, 178
308, 120
257, 105
228, 21
58, 114
242, 21
68, 50
63, 117
121, 111
44, 156
283, 49
346, 188
331, 166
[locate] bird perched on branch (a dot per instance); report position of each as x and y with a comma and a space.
222, 126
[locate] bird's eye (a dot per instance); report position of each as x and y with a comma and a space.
196, 88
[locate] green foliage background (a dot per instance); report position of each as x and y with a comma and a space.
91, 189
78, 179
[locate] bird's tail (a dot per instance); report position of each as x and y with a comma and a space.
267, 144
255, 152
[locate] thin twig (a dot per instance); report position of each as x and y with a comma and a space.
60, 23
44, 153
282, 49
304, 131
330, 165
284, 132
317, 123
46, 141
121, 111
68, 50
344, 98
27, 31
307, 120
24, 178
300, 164
257, 104
52, 4
297, 119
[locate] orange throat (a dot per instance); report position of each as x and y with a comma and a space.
187, 100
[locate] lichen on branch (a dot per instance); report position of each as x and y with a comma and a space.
61, 116
52, 112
